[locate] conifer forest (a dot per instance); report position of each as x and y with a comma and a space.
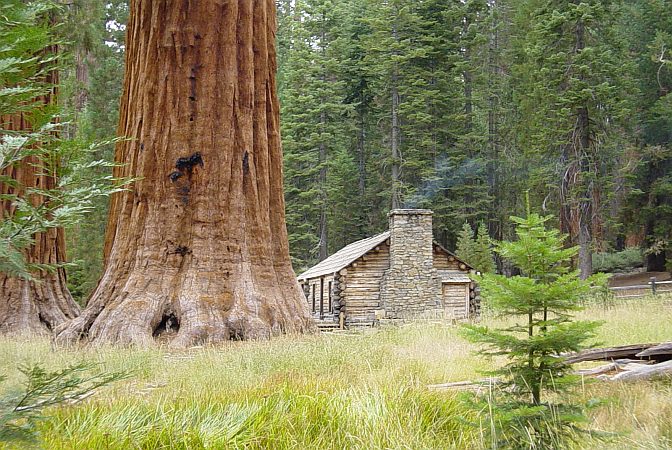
336, 224
460, 107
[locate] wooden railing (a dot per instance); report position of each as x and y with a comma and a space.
653, 287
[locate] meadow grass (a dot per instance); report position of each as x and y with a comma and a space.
334, 391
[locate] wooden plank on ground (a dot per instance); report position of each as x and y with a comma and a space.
661, 349
610, 353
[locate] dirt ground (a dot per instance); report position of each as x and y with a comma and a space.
637, 278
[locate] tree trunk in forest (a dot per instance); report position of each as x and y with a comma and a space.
361, 154
584, 202
323, 232
655, 262
34, 306
495, 220
83, 58
396, 197
396, 131
364, 221
577, 209
196, 252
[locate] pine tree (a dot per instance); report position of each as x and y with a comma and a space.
97, 94
573, 85
648, 207
541, 301
465, 244
483, 259
313, 126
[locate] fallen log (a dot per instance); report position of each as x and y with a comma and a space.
619, 364
664, 349
633, 362
644, 372
612, 353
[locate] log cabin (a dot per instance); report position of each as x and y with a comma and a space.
400, 274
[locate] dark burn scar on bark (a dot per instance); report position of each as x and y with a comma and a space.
184, 194
246, 163
185, 167
181, 250
192, 82
187, 163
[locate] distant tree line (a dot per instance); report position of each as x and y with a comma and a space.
461, 106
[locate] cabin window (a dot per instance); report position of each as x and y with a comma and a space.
321, 297
331, 306
313, 295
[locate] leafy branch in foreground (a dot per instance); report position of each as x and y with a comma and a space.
47, 182
20, 410
528, 411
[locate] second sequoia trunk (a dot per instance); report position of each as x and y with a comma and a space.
38, 305
197, 250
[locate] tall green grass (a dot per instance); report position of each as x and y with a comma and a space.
333, 391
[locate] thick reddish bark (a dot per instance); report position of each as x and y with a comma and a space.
34, 306
197, 250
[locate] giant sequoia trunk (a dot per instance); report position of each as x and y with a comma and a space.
197, 250
34, 306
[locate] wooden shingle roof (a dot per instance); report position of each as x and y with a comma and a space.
344, 257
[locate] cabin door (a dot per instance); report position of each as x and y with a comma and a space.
455, 300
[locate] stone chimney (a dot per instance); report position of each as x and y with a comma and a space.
411, 287
411, 238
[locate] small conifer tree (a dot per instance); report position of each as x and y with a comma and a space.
527, 411
465, 244
482, 254
476, 252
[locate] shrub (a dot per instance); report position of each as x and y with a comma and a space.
624, 261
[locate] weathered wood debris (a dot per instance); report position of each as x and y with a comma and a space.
626, 363
658, 352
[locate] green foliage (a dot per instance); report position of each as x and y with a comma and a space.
483, 259
26, 55
465, 244
624, 261
21, 409
477, 252
98, 40
318, 169
78, 179
527, 412
487, 95
648, 204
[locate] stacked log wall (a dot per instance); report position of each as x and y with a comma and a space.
359, 286
474, 301
314, 285
441, 261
